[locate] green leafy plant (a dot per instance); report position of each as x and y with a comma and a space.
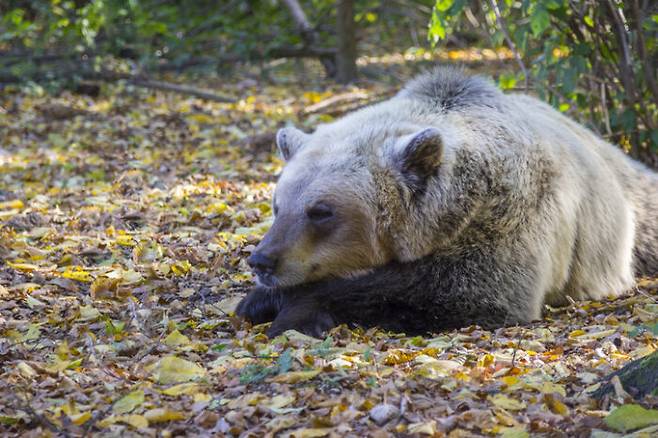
593, 59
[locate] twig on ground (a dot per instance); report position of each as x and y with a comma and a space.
518, 345
338, 98
180, 89
136, 80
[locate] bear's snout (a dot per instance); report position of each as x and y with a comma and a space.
262, 263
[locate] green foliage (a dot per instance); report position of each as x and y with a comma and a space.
169, 35
254, 373
596, 59
627, 418
150, 30
443, 15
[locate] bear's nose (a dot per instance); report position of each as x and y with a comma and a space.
261, 262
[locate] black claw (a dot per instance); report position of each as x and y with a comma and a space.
259, 306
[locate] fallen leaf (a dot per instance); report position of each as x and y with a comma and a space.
129, 402
296, 376
627, 418
383, 413
176, 339
182, 389
136, 421
26, 370
161, 415
310, 432
424, 428
514, 432
504, 402
172, 369
89, 313
81, 418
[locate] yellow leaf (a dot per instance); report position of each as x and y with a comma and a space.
103, 287
182, 389
514, 432
172, 369
504, 402
15, 204
136, 421
24, 267
125, 240
176, 339
201, 118
396, 357
435, 368
80, 419
181, 267
280, 401
550, 388
486, 360
596, 335
129, 402
77, 273
201, 397
577, 333
296, 376
125, 276
60, 364
26, 370
510, 380
310, 432
556, 406
217, 208
89, 313
160, 415
504, 418
428, 428
162, 268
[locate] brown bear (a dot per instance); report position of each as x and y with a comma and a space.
448, 205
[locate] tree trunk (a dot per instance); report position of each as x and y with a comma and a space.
308, 34
638, 378
346, 33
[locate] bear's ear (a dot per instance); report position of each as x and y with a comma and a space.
289, 141
418, 156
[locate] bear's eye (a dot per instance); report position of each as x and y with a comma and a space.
320, 212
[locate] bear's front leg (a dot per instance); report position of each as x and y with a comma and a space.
304, 313
260, 305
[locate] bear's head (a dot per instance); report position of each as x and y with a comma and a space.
343, 202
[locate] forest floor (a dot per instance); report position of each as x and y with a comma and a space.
125, 221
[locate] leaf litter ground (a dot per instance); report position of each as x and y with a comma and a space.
125, 221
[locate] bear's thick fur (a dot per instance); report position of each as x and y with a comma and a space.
450, 204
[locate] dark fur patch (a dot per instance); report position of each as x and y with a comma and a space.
428, 295
450, 88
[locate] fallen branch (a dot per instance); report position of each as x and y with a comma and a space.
180, 89
345, 103
138, 81
338, 98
